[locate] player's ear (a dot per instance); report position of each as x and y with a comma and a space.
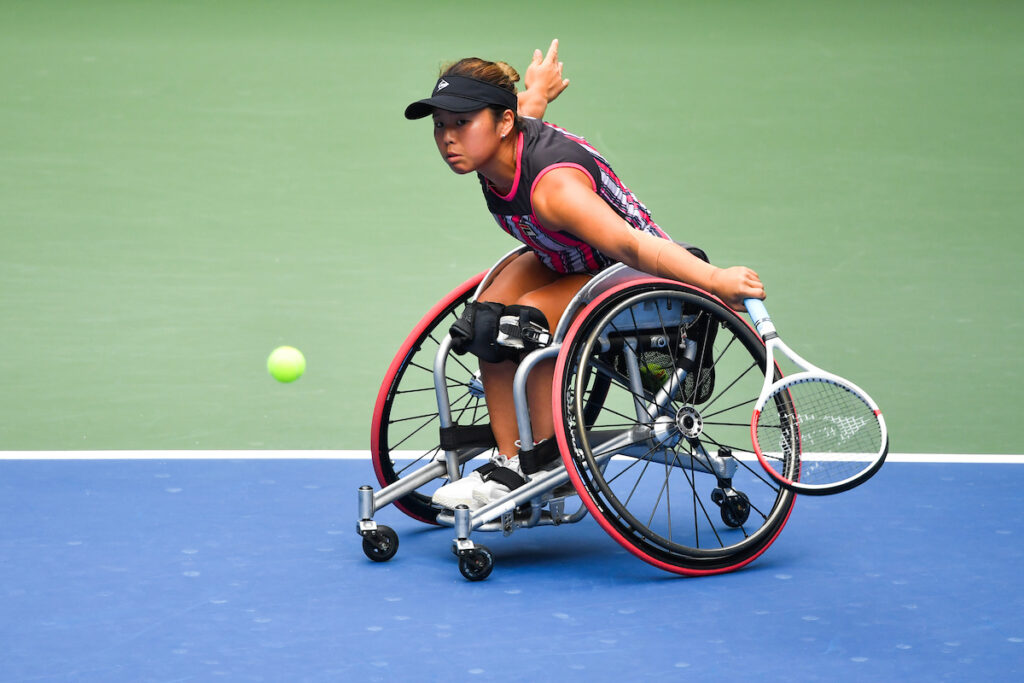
507, 122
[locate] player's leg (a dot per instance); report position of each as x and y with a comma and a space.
551, 300
526, 282
524, 273
522, 276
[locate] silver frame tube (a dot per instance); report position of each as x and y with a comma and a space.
519, 391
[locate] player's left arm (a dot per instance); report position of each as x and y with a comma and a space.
544, 82
564, 199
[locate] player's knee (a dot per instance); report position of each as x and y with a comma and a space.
524, 327
476, 331
495, 333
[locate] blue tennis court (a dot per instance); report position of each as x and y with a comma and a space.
251, 569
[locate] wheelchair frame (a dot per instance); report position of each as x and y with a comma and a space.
542, 500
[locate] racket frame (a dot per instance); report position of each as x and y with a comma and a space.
809, 372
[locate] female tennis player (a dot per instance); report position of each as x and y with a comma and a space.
555, 193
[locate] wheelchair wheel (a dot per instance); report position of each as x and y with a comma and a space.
404, 432
677, 373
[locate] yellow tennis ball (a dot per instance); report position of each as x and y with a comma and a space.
286, 364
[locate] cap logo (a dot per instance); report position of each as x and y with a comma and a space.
441, 85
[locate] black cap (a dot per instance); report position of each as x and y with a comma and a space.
461, 93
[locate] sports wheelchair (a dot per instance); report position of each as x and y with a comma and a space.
653, 390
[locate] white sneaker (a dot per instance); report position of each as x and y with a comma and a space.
499, 484
477, 488
458, 492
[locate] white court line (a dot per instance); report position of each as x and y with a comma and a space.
184, 455
968, 458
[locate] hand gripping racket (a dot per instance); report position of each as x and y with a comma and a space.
814, 432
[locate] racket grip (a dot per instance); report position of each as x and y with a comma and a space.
757, 311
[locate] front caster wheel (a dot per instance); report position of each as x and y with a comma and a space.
381, 544
476, 564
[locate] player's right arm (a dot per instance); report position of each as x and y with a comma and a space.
564, 199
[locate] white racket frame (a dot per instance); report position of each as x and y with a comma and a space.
810, 372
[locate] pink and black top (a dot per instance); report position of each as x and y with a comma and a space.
543, 147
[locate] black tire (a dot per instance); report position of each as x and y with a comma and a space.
476, 564
381, 544
736, 511
662, 511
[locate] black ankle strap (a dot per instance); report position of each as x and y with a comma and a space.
542, 454
467, 436
502, 475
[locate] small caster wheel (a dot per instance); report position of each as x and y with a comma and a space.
736, 510
381, 544
476, 564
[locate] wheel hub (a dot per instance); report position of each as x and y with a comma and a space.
689, 422
476, 386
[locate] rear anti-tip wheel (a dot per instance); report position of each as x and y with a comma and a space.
380, 544
735, 509
476, 564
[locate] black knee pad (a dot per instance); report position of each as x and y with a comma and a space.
476, 332
494, 333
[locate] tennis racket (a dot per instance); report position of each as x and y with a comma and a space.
813, 431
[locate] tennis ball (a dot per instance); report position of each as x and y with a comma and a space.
286, 364
653, 376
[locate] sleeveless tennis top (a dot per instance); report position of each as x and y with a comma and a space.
543, 147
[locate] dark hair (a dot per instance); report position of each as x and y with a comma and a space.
495, 73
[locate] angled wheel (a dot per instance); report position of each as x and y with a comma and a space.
735, 510
678, 374
381, 544
404, 432
476, 564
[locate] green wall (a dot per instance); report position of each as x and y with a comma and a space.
185, 186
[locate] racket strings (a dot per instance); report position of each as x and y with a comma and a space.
818, 432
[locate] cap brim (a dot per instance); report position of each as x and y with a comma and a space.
418, 110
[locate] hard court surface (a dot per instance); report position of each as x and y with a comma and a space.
173, 570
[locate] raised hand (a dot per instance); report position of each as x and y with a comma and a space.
545, 74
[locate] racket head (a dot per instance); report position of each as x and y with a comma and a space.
816, 433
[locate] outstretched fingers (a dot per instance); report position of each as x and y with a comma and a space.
552, 55
544, 74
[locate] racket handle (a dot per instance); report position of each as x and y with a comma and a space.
757, 311
762, 321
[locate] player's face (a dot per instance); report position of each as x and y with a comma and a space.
466, 140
